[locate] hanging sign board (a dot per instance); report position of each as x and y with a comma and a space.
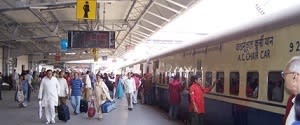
86, 9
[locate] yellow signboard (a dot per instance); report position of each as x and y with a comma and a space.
86, 9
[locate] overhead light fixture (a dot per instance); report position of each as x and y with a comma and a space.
52, 54
71, 53
38, 7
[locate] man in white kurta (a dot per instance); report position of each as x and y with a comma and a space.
48, 94
129, 89
64, 89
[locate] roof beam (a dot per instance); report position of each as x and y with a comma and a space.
146, 28
8, 3
137, 38
159, 16
66, 23
139, 18
39, 15
150, 22
131, 7
43, 6
130, 40
21, 39
141, 33
167, 7
177, 4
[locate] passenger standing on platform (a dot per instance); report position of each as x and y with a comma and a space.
15, 79
137, 82
196, 106
68, 78
87, 87
64, 89
112, 81
142, 90
129, 89
24, 87
175, 89
29, 78
120, 88
101, 94
291, 76
93, 79
148, 93
35, 81
48, 95
76, 85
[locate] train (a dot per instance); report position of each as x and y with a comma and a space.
245, 62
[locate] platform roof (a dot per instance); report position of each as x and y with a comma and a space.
35, 27
144, 28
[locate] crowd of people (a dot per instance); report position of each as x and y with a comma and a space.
291, 75
196, 98
55, 88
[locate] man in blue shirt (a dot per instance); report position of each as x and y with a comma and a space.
76, 85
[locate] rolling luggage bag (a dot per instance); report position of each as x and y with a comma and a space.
108, 106
83, 105
63, 112
91, 111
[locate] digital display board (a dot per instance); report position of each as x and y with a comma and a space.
91, 39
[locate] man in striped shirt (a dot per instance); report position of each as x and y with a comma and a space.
76, 85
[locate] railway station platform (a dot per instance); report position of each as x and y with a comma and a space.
11, 114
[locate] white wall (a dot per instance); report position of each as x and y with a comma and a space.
47, 67
22, 60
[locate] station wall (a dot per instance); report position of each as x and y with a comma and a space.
22, 61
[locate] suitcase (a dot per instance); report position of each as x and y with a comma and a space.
63, 112
83, 105
108, 106
91, 111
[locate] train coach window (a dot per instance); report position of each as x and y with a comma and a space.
252, 84
220, 82
208, 79
275, 86
234, 83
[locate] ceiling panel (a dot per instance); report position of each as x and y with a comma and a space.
67, 14
114, 10
22, 16
162, 11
